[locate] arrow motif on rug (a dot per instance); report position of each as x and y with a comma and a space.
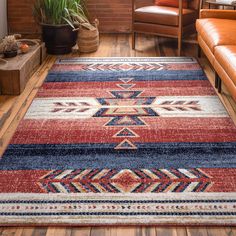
71, 107
126, 144
126, 86
125, 181
123, 67
126, 133
180, 105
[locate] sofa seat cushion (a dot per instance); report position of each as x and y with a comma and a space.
164, 15
226, 57
217, 32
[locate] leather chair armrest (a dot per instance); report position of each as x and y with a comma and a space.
215, 13
141, 3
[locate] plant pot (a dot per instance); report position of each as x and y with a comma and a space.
59, 39
88, 40
10, 54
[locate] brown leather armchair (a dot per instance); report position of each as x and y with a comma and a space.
164, 21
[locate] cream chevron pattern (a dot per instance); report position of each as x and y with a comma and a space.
125, 181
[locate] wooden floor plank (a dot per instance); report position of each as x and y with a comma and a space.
216, 231
27, 231
11, 231
181, 231
168, 50
6, 108
40, 231
164, 231
59, 231
146, 231
81, 231
233, 230
100, 231
144, 46
121, 231
197, 231
171, 231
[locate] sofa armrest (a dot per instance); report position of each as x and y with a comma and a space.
215, 13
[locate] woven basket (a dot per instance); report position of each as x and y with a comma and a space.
88, 40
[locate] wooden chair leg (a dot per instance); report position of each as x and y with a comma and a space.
133, 40
219, 85
180, 27
216, 80
179, 46
199, 51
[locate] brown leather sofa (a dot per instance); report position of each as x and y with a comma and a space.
217, 38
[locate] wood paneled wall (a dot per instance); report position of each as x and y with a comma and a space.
20, 18
3, 17
114, 15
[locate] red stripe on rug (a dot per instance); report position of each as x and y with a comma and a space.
21, 181
224, 179
93, 131
98, 89
25, 181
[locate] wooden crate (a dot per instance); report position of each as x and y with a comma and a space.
15, 74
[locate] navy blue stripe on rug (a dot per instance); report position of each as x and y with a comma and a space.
92, 76
118, 213
126, 201
149, 155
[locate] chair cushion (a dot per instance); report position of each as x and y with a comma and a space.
217, 32
164, 15
171, 3
226, 57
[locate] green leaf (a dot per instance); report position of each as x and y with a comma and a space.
58, 12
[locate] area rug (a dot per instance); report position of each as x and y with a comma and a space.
122, 141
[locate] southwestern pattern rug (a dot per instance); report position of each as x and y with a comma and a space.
122, 141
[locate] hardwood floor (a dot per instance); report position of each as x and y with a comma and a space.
118, 231
13, 108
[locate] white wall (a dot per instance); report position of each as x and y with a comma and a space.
3, 18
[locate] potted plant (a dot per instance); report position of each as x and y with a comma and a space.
88, 34
9, 46
57, 20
